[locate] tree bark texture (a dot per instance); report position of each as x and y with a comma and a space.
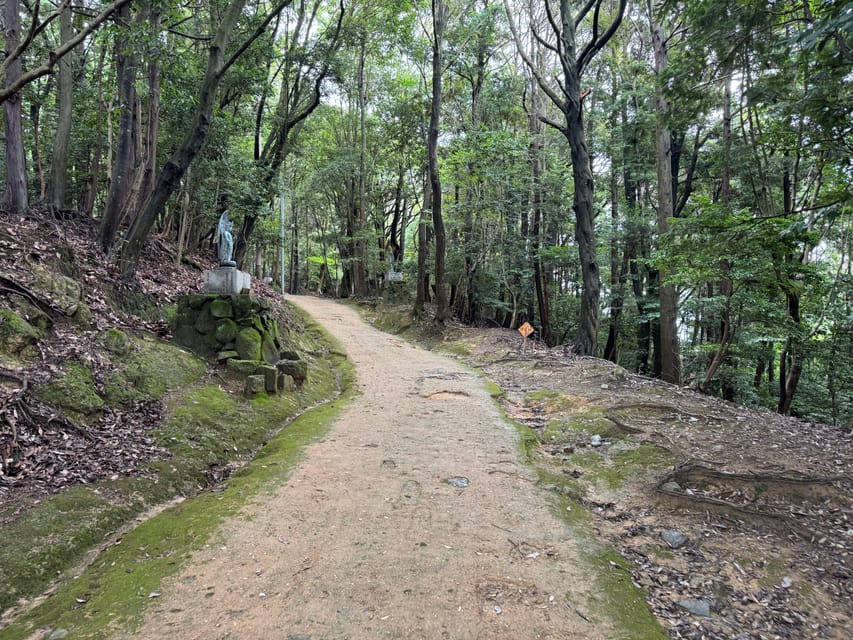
58, 182
586, 338
439, 21
670, 355
126, 65
16, 199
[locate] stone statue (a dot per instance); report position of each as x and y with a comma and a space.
225, 241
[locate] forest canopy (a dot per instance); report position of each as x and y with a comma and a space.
663, 184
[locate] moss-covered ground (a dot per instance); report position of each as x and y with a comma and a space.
210, 430
119, 584
614, 600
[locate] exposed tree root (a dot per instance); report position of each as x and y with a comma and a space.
788, 486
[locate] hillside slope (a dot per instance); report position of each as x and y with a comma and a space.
102, 417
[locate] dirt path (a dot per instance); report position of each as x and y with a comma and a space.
369, 539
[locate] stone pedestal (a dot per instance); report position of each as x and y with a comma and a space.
227, 281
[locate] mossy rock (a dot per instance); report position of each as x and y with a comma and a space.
226, 331
73, 391
246, 367
158, 367
297, 369
66, 292
194, 301
270, 374
248, 344
269, 349
16, 334
119, 391
221, 308
243, 306
115, 341
32, 314
255, 385
205, 323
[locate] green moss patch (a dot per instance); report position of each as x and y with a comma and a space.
16, 334
617, 600
73, 390
115, 590
209, 432
613, 600
146, 368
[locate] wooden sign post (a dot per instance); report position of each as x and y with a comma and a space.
525, 330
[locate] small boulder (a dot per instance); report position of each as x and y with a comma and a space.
116, 341
205, 323
269, 352
16, 334
270, 374
675, 539
225, 356
226, 331
248, 344
255, 385
286, 383
221, 308
696, 607
246, 367
297, 369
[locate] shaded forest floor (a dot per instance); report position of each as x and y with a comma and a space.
737, 522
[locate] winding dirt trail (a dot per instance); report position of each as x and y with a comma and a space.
368, 539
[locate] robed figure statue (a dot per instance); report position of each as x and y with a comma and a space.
225, 241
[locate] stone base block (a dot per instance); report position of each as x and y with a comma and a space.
227, 281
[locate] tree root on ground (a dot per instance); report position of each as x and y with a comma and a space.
778, 498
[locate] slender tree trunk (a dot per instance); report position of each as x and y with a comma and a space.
35, 124
56, 195
537, 163
586, 338
147, 170
669, 346
16, 199
439, 21
422, 289
94, 178
360, 265
122, 172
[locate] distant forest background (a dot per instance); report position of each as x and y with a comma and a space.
663, 184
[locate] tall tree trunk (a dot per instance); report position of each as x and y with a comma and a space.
537, 163
16, 200
35, 125
360, 265
146, 171
122, 171
58, 184
669, 347
423, 278
94, 178
439, 22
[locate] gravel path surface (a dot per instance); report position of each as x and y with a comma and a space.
413, 518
